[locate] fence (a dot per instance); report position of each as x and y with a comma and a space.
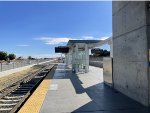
12, 65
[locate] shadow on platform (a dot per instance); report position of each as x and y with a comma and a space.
104, 99
107, 100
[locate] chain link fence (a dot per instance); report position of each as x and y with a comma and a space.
12, 65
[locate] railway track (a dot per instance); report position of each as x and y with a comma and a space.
12, 97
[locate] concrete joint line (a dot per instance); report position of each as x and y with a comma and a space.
129, 32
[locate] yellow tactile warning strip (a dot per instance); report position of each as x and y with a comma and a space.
35, 101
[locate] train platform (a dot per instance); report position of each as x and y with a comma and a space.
65, 92
85, 93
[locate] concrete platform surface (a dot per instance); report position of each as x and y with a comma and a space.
85, 93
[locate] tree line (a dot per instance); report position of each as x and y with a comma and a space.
97, 52
5, 56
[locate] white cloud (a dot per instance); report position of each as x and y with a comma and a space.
23, 45
104, 38
60, 40
53, 40
93, 38
88, 38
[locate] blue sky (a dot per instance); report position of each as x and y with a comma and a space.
35, 28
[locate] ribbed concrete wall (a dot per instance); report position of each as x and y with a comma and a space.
130, 47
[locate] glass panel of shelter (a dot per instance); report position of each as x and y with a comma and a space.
81, 59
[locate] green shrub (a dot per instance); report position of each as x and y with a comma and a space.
11, 56
3, 55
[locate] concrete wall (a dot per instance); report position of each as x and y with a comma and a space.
148, 37
130, 47
96, 61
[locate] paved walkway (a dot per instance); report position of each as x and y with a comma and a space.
85, 93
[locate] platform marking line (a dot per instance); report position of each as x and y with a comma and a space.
35, 101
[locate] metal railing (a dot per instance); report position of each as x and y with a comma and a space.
12, 65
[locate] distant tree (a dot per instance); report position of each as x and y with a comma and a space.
33, 58
29, 57
11, 56
96, 52
3, 55
20, 58
106, 53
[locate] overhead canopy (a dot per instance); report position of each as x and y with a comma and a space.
71, 42
81, 44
